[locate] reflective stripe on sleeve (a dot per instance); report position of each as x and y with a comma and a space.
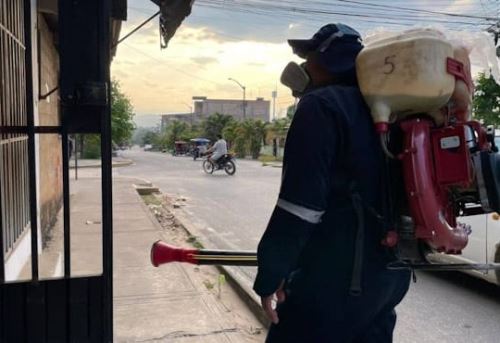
304, 213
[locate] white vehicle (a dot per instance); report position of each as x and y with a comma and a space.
483, 246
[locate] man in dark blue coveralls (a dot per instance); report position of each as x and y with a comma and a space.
321, 254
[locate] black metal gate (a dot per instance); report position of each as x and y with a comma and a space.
69, 309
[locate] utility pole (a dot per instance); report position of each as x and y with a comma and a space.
274, 95
244, 103
244, 97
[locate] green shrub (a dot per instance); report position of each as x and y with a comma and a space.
91, 147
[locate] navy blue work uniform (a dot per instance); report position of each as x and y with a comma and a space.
331, 153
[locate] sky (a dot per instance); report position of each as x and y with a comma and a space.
247, 40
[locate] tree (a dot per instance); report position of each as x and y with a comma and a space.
486, 106
279, 127
122, 125
240, 142
278, 130
195, 130
215, 124
258, 137
253, 132
90, 146
143, 135
230, 132
176, 131
290, 111
149, 137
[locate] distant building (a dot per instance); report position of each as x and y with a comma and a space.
255, 109
189, 118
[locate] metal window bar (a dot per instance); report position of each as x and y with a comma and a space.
66, 206
14, 183
2, 110
30, 120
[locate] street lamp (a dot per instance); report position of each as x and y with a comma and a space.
244, 96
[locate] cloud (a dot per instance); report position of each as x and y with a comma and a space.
120, 74
196, 62
256, 64
151, 84
295, 26
228, 88
203, 61
187, 34
461, 6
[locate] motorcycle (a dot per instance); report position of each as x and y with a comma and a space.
226, 162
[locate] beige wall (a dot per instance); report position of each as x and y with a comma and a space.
255, 109
50, 144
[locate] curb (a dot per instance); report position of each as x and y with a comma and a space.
246, 294
233, 275
272, 164
116, 164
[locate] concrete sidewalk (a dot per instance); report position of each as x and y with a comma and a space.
172, 303
176, 302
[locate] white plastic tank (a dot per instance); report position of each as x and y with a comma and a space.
405, 74
461, 99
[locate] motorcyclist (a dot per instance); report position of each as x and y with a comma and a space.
218, 150
321, 254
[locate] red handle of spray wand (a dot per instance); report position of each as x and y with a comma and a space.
162, 253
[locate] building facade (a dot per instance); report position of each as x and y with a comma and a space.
50, 149
35, 40
250, 109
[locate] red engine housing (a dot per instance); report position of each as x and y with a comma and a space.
436, 161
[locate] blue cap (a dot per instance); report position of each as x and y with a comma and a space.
337, 46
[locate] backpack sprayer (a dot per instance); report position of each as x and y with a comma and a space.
440, 164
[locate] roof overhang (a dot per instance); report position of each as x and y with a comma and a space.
49, 8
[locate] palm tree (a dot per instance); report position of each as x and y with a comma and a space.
277, 132
279, 129
254, 133
240, 140
230, 132
214, 125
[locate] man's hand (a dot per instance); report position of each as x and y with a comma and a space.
267, 303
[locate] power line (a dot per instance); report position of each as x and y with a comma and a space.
419, 10
170, 67
258, 7
175, 69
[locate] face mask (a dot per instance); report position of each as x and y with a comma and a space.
295, 77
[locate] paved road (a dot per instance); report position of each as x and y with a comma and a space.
233, 212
